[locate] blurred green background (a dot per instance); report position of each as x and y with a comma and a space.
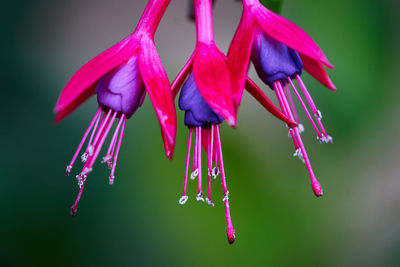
138, 220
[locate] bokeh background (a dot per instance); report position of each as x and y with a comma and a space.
138, 220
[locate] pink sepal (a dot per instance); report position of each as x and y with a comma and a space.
318, 71
82, 84
212, 77
258, 94
239, 55
288, 33
159, 90
181, 77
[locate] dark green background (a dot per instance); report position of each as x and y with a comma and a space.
138, 221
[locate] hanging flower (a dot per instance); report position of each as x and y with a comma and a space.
120, 77
280, 50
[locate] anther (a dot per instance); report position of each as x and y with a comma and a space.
84, 157
86, 171
194, 174
209, 202
112, 177
68, 170
226, 196
91, 150
318, 115
106, 158
74, 210
300, 127
183, 200
215, 172
199, 196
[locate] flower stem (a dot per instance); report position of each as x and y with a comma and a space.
151, 16
204, 20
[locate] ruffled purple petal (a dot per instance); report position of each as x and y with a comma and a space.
122, 89
273, 60
198, 112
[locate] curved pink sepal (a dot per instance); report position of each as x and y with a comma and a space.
159, 90
213, 80
258, 94
318, 71
81, 86
288, 33
239, 55
181, 77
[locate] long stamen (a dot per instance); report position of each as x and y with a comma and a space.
200, 192
85, 155
110, 150
98, 135
184, 197
229, 228
291, 102
314, 183
74, 207
317, 113
195, 170
69, 167
209, 168
102, 137
285, 111
215, 170
121, 135
305, 108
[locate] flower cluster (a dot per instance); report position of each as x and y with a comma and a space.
211, 86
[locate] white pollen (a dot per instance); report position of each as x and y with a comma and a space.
91, 150
84, 157
68, 170
209, 202
226, 196
199, 197
183, 200
300, 127
194, 174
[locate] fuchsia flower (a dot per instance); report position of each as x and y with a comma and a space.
279, 50
121, 76
206, 98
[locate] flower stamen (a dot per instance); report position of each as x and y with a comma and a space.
284, 105
69, 167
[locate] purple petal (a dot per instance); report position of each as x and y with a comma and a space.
122, 89
273, 60
198, 112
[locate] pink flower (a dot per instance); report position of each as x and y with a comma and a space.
207, 100
279, 51
121, 76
